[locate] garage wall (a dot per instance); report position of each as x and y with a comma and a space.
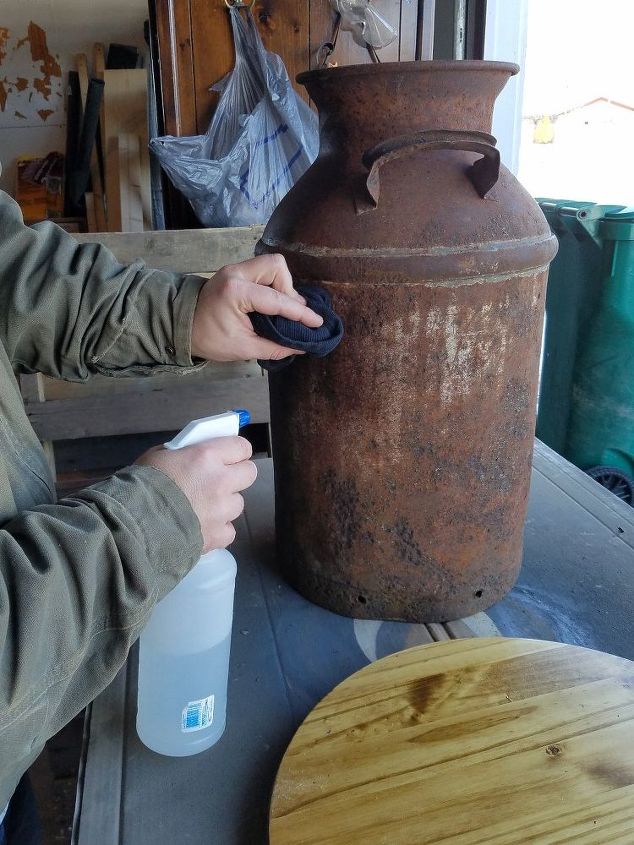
38, 40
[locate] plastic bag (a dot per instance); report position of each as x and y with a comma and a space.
366, 21
260, 141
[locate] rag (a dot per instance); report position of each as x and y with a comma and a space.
316, 342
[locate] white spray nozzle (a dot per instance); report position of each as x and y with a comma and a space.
207, 428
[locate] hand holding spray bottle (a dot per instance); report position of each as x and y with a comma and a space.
184, 648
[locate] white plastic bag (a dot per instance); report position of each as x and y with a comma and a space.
260, 141
367, 23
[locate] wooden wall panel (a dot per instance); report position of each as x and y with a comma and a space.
408, 30
283, 25
403, 14
173, 25
195, 47
322, 20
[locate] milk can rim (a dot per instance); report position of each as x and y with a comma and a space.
433, 66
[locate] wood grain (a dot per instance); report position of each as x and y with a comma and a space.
176, 66
130, 183
184, 251
125, 102
348, 51
166, 409
466, 742
114, 387
283, 26
195, 50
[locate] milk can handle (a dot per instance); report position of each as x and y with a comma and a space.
483, 173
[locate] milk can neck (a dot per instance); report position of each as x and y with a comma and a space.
362, 106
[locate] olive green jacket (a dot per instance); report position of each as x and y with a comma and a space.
79, 577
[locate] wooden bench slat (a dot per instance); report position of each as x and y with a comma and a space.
184, 250
166, 409
115, 387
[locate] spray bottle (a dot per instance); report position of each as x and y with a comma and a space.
184, 648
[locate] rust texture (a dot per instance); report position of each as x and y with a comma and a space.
402, 461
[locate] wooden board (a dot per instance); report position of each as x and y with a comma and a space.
399, 13
165, 409
467, 742
283, 25
95, 208
184, 251
137, 386
176, 66
130, 183
125, 107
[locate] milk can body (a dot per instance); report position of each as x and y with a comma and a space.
402, 461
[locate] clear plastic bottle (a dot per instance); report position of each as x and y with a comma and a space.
184, 661
184, 649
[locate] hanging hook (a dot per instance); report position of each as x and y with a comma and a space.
239, 4
328, 47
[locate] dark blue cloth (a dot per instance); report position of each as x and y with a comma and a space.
291, 333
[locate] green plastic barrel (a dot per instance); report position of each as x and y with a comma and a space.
573, 294
601, 426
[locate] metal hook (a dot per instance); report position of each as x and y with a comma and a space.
328, 47
239, 4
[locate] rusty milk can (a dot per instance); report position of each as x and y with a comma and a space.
402, 461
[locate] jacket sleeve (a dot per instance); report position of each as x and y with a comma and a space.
70, 310
78, 580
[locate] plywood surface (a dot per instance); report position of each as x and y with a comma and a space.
466, 742
125, 118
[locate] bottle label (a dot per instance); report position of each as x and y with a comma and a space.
198, 714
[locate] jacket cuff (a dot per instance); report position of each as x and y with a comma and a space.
184, 309
155, 336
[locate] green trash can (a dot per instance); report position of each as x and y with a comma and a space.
601, 426
573, 294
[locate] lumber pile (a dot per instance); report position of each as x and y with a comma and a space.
107, 160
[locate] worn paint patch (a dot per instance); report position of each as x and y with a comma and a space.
37, 76
40, 52
19, 115
43, 87
49, 66
4, 37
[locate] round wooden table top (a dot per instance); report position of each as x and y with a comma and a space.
466, 742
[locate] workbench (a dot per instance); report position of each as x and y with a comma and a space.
576, 586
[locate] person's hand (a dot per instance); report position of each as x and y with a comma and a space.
221, 329
211, 475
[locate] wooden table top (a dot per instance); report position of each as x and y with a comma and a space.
467, 742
